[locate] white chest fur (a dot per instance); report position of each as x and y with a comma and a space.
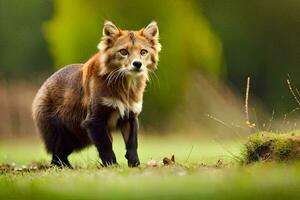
135, 107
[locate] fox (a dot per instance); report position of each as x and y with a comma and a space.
81, 104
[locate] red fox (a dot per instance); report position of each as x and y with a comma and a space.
81, 104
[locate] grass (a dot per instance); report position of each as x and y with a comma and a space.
205, 169
268, 146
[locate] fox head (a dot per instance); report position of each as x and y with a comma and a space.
130, 53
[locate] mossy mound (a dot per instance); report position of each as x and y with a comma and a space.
266, 146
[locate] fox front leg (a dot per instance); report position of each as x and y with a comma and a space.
98, 133
129, 128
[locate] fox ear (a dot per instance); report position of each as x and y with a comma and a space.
151, 31
110, 29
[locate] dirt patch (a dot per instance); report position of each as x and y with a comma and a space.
267, 146
13, 168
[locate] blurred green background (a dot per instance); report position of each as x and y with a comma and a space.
209, 48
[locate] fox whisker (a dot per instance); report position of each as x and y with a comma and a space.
110, 75
113, 75
154, 74
118, 73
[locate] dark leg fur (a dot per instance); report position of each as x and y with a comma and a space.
99, 134
60, 161
58, 141
129, 129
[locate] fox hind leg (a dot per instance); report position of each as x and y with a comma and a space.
59, 141
60, 161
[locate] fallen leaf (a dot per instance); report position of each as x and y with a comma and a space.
168, 161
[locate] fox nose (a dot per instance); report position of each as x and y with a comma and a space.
137, 64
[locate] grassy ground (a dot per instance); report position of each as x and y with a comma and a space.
198, 173
267, 146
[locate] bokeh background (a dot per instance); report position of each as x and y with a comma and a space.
210, 47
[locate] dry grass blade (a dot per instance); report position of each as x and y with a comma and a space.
224, 124
297, 91
247, 99
248, 123
293, 92
189, 153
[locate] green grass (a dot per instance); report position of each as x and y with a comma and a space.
268, 146
196, 174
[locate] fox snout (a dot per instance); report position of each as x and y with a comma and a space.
136, 65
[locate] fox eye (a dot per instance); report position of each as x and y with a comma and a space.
123, 52
144, 52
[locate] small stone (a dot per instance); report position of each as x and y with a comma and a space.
152, 163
